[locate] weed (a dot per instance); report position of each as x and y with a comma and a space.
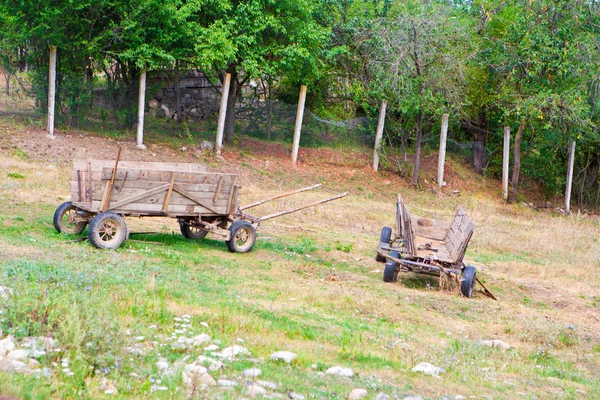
16, 175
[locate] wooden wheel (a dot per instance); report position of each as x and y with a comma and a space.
107, 230
243, 236
65, 219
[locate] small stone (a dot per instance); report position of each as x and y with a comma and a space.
254, 390
357, 394
286, 356
296, 396
382, 396
207, 380
314, 366
333, 370
6, 365
5, 292
32, 363
252, 373
156, 388
232, 352
6, 345
18, 365
201, 339
496, 343
267, 384
211, 347
428, 369
206, 145
226, 383
162, 364
460, 397
18, 354
139, 338
413, 397
346, 372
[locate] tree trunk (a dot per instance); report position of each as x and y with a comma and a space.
418, 150
178, 105
7, 87
231, 102
512, 197
480, 140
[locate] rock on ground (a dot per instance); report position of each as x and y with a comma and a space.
429, 369
382, 396
254, 390
252, 373
286, 356
341, 371
357, 394
229, 353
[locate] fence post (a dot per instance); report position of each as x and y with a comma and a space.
379, 134
569, 176
141, 106
299, 117
222, 112
51, 92
442, 155
505, 161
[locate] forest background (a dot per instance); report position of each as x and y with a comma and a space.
531, 65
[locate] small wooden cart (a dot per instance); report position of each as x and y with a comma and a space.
104, 192
428, 246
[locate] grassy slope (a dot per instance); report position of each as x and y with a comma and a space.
315, 291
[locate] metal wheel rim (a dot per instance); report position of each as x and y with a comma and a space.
108, 231
68, 222
243, 238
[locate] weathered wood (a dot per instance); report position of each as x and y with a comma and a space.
298, 128
569, 176
278, 214
505, 162
112, 181
98, 165
165, 176
88, 183
192, 196
218, 190
170, 190
442, 153
139, 196
222, 113
379, 134
156, 209
141, 106
279, 196
51, 91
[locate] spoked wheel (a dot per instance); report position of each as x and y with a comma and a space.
467, 283
243, 236
389, 271
192, 232
65, 219
107, 230
384, 239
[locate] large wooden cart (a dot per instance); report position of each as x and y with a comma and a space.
104, 192
428, 246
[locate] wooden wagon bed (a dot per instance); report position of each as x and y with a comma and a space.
147, 188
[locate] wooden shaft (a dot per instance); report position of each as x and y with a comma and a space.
258, 203
222, 112
298, 129
169, 192
569, 176
141, 105
379, 135
505, 162
279, 214
442, 155
51, 91
111, 183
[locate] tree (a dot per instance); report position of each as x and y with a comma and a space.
255, 38
417, 57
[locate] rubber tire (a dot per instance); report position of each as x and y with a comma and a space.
234, 229
384, 237
99, 222
467, 283
59, 223
389, 271
188, 233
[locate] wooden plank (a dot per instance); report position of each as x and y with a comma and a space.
218, 190
164, 176
97, 165
113, 175
104, 196
135, 187
139, 196
192, 196
168, 197
80, 185
88, 183
156, 209
145, 185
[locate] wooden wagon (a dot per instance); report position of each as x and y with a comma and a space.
104, 192
428, 246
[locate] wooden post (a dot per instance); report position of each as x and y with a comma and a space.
379, 134
51, 92
505, 162
141, 106
299, 117
442, 155
222, 112
569, 176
